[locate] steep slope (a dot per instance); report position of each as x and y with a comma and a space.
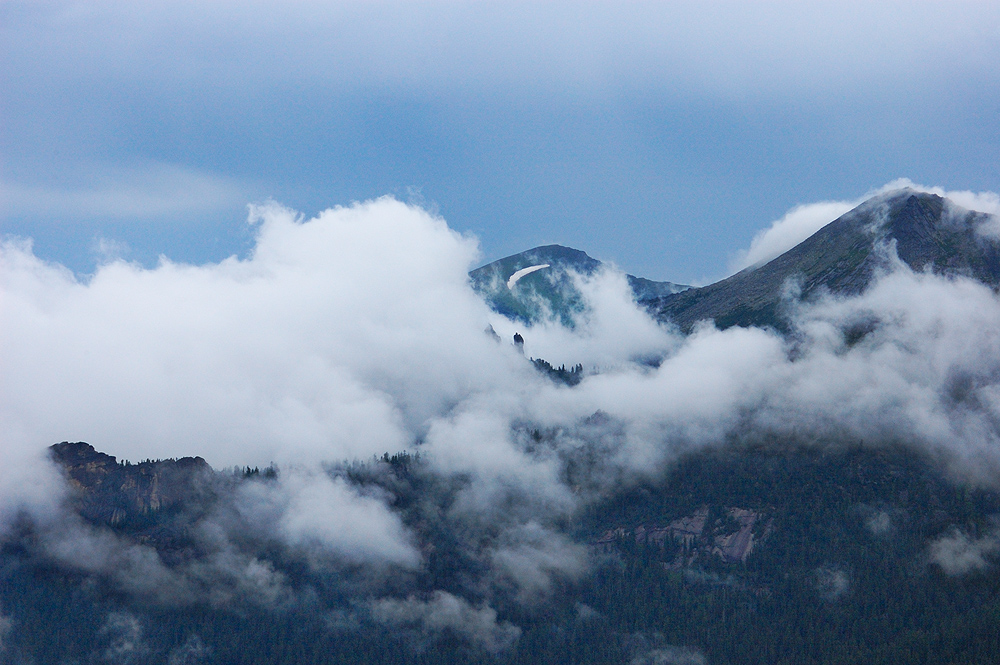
924, 230
537, 284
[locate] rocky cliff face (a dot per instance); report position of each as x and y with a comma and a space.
115, 493
731, 535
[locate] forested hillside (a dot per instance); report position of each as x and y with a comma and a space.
858, 555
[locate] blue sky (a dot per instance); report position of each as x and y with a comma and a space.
661, 136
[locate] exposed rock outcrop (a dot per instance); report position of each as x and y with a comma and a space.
731, 537
112, 492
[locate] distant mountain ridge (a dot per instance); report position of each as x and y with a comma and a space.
545, 289
926, 231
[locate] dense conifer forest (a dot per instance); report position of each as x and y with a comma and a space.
843, 571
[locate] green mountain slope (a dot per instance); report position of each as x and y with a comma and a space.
549, 292
926, 232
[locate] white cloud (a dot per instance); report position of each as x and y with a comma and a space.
958, 554
314, 512
444, 611
109, 251
879, 523
613, 329
339, 337
336, 338
193, 651
356, 332
126, 635
832, 583
798, 224
28, 481
533, 556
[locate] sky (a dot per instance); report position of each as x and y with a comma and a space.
661, 136
243, 231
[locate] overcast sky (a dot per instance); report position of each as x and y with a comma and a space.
662, 136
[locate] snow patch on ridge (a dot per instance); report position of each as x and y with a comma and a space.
522, 272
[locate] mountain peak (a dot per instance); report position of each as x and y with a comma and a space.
925, 230
537, 284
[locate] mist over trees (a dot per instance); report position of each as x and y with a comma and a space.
340, 466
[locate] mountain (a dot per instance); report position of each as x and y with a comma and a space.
772, 554
537, 284
926, 231
760, 546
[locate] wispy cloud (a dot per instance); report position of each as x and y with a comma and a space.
959, 554
444, 611
798, 224
155, 190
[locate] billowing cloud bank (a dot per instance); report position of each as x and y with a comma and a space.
339, 337
357, 333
